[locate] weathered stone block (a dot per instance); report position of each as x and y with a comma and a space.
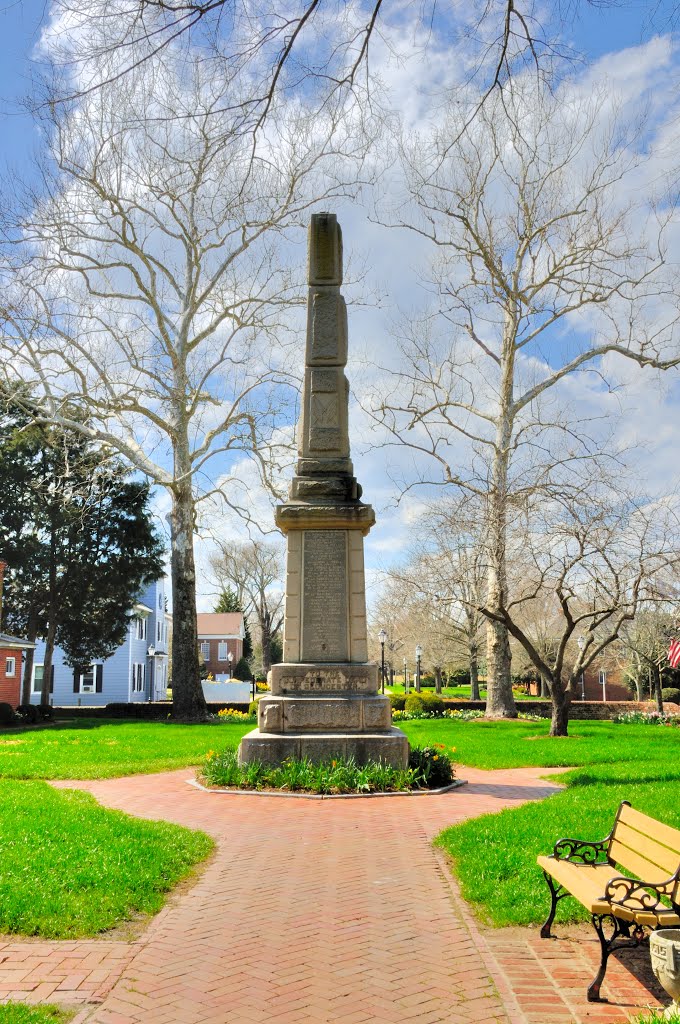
377, 713
288, 678
266, 747
269, 715
325, 250
322, 714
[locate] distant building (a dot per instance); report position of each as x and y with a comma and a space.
11, 658
220, 641
136, 671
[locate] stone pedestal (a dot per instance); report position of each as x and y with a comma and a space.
324, 701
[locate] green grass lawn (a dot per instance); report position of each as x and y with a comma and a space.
97, 749
71, 868
21, 1013
495, 855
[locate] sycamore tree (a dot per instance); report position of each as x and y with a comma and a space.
548, 259
591, 565
148, 284
255, 571
80, 544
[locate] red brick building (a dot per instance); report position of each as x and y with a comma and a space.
220, 634
11, 662
11, 659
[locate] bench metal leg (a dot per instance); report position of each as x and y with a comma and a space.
624, 935
557, 893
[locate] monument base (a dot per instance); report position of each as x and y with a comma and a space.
390, 747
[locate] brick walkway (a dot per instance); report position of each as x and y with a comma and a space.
320, 912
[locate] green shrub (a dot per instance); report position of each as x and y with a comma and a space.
433, 765
671, 694
398, 701
427, 681
7, 716
433, 703
415, 703
242, 671
252, 708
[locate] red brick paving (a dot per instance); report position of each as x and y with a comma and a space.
321, 912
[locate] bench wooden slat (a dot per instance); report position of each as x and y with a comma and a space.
662, 862
664, 834
639, 865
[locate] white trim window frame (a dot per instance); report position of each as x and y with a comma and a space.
204, 647
10, 673
222, 650
140, 628
138, 676
90, 674
36, 684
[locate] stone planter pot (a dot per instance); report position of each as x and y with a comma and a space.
664, 948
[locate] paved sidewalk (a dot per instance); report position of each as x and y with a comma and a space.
318, 912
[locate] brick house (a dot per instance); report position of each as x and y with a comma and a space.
220, 634
11, 658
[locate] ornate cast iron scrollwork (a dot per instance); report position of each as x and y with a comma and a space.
635, 895
581, 851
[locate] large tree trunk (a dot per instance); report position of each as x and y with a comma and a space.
561, 701
500, 702
31, 634
656, 675
265, 630
474, 672
49, 657
187, 694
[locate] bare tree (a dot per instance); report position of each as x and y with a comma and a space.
542, 267
644, 647
153, 291
446, 572
594, 563
255, 570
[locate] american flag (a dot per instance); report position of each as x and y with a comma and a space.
674, 654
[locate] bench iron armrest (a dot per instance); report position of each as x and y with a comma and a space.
581, 851
636, 895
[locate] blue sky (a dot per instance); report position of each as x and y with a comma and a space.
594, 31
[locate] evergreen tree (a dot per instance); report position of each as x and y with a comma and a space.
228, 601
77, 535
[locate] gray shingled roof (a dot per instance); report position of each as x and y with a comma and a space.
14, 641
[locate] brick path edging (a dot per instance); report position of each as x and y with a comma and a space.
456, 784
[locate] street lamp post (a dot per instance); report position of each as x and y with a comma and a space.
405, 679
382, 637
230, 658
419, 652
581, 644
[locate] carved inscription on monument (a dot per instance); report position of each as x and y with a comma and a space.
329, 328
324, 596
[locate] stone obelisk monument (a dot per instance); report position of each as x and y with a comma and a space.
324, 700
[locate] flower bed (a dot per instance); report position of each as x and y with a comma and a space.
429, 768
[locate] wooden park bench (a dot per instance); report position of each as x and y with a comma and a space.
621, 907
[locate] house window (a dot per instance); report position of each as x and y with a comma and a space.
37, 678
140, 629
205, 651
138, 677
159, 632
603, 677
160, 602
11, 667
87, 681
222, 651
